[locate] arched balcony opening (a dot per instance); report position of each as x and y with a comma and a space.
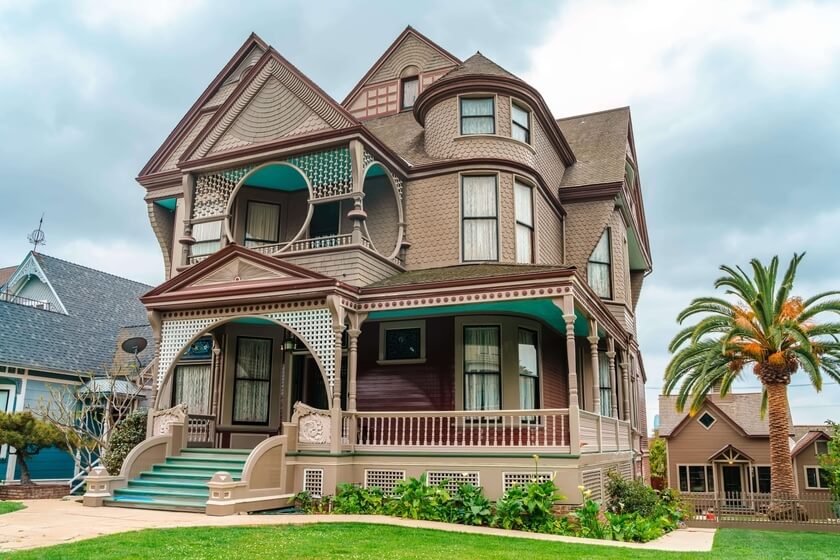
383, 225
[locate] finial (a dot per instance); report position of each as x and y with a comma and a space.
37, 237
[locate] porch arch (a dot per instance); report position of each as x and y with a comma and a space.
313, 327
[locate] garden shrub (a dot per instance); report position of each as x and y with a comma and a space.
529, 507
353, 499
471, 506
127, 434
415, 499
630, 496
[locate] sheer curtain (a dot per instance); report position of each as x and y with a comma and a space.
480, 223
477, 116
482, 368
207, 237
253, 381
263, 224
528, 370
192, 387
521, 124
605, 382
599, 267
410, 90
523, 202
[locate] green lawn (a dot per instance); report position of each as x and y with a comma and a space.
375, 542
9, 507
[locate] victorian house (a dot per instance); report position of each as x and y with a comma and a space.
435, 275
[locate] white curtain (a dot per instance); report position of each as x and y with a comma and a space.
528, 369
410, 89
523, 202
192, 387
253, 380
521, 118
477, 116
480, 223
263, 224
599, 269
605, 382
207, 237
482, 368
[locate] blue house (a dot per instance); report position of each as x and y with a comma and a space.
60, 321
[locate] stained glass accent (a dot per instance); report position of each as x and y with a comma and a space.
201, 349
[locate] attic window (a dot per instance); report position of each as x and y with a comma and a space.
409, 90
706, 420
822, 448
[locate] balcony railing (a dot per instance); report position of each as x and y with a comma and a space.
26, 302
600, 434
325, 242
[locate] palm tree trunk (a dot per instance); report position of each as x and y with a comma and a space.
782, 484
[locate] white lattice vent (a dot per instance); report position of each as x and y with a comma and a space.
524, 477
313, 482
384, 480
591, 480
453, 479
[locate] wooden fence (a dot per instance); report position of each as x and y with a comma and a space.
810, 511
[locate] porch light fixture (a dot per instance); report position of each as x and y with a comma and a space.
289, 342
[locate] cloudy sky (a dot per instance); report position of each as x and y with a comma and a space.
736, 111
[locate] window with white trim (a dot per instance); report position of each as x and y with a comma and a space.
696, 478
599, 268
816, 478
707, 420
402, 342
520, 127
262, 224
524, 210
410, 89
478, 115
821, 447
760, 479
529, 370
479, 217
482, 368
208, 238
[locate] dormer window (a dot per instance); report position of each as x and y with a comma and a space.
520, 123
478, 115
599, 268
409, 90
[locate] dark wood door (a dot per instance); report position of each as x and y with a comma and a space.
732, 484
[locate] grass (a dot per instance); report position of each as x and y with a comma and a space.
9, 507
375, 542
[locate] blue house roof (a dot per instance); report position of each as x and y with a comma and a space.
98, 308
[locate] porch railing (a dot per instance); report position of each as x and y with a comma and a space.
600, 434
807, 511
201, 430
26, 302
520, 429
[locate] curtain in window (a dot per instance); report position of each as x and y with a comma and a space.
192, 387
521, 129
477, 116
480, 224
253, 380
523, 204
207, 237
410, 89
262, 224
605, 382
528, 370
482, 368
599, 267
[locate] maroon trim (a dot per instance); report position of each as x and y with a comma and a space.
181, 128
389, 51
589, 192
447, 87
472, 282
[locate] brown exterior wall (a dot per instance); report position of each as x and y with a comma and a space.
555, 378
806, 458
356, 267
585, 222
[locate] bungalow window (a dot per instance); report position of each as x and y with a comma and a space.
192, 388
478, 115
520, 123
262, 224
528, 370
410, 90
760, 480
208, 238
696, 478
480, 228
482, 368
252, 381
524, 202
599, 268
816, 478
605, 384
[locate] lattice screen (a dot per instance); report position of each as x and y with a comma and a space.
313, 482
175, 335
522, 478
384, 480
453, 479
591, 480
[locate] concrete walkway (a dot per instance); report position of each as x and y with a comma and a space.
50, 522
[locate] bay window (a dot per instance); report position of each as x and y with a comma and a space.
252, 381
262, 224
478, 115
599, 268
482, 368
520, 123
208, 238
479, 217
524, 208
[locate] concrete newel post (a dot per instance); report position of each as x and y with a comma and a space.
100, 485
177, 438
290, 429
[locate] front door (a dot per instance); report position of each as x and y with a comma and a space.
732, 484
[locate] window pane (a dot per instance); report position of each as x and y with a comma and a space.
523, 202
208, 238
697, 478
599, 279
410, 89
763, 479
528, 363
823, 478
481, 349
683, 475
479, 194
601, 254
192, 387
520, 116
606, 402
251, 401
477, 125
822, 447
262, 224
480, 240
811, 473
477, 107
482, 391
521, 134
402, 344
253, 360
527, 393
524, 244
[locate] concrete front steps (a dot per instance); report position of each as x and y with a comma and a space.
180, 483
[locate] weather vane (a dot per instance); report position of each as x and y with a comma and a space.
37, 237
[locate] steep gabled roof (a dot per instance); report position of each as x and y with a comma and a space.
6, 273
599, 141
808, 439
740, 409
166, 156
82, 340
408, 34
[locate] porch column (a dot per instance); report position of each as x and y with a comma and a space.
568, 306
613, 379
596, 372
335, 410
625, 385
353, 334
187, 240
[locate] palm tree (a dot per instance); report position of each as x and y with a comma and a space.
761, 325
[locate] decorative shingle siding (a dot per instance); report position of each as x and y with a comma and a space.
380, 204
355, 267
549, 232
585, 222
507, 219
411, 51
163, 223
432, 210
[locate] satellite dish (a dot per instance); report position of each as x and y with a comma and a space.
134, 345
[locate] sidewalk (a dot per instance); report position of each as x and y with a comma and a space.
51, 522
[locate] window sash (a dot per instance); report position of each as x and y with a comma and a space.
410, 91
396, 338
478, 115
599, 267
529, 369
252, 381
816, 478
521, 124
482, 368
696, 478
208, 238
262, 224
524, 244
192, 387
605, 384
480, 228
760, 479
